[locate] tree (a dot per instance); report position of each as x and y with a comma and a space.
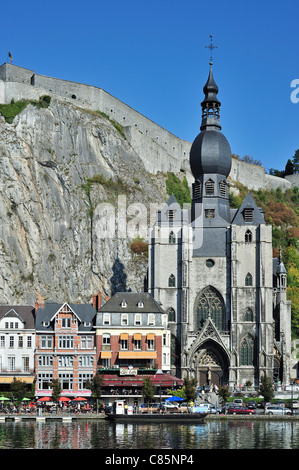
190, 389
18, 389
96, 385
148, 390
56, 390
266, 389
289, 168
295, 161
224, 394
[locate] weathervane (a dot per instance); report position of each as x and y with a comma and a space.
211, 47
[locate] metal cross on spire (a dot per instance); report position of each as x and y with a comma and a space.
211, 47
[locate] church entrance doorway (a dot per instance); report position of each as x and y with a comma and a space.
212, 367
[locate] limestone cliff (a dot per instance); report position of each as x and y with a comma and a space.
58, 165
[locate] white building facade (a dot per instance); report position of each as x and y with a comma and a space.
17, 345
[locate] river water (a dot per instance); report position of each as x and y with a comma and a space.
102, 434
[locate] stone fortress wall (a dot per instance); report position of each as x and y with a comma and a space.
159, 149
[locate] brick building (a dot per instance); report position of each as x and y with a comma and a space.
65, 348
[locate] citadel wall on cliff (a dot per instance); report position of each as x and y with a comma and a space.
159, 149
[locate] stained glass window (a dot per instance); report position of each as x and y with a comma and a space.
247, 351
210, 304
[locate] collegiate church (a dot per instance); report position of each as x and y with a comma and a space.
213, 270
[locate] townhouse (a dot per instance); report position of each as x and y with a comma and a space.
17, 345
65, 348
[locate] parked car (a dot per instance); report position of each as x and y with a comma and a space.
280, 403
294, 404
240, 410
169, 405
277, 410
238, 401
205, 408
251, 405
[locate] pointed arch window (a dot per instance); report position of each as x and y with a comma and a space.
171, 238
248, 314
222, 188
210, 304
248, 280
210, 187
248, 236
171, 281
247, 351
171, 314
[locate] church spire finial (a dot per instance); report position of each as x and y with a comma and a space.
210, 105
211, 47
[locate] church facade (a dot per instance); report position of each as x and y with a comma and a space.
213, 271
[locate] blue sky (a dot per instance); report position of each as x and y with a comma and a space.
152, 56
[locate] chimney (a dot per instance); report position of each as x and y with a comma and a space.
94, 301
99, 300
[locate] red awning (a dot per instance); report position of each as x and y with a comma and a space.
166, 380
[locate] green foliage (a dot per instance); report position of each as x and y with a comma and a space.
11, 110
18, 389
266, 389
179, 188
190, 389
148, 390
56, 390
224, 393
96, 385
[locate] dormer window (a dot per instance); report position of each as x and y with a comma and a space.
140, 304
46, 323
124, 304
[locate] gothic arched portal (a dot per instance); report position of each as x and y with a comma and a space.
211, 364
210, 304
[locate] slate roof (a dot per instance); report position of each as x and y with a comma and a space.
249, 203
84, 312
24, 312
150, 305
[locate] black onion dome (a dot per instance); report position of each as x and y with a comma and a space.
210, 153
210, 90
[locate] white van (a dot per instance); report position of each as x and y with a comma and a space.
238, 401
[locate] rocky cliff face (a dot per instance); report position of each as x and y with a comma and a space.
58, 167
